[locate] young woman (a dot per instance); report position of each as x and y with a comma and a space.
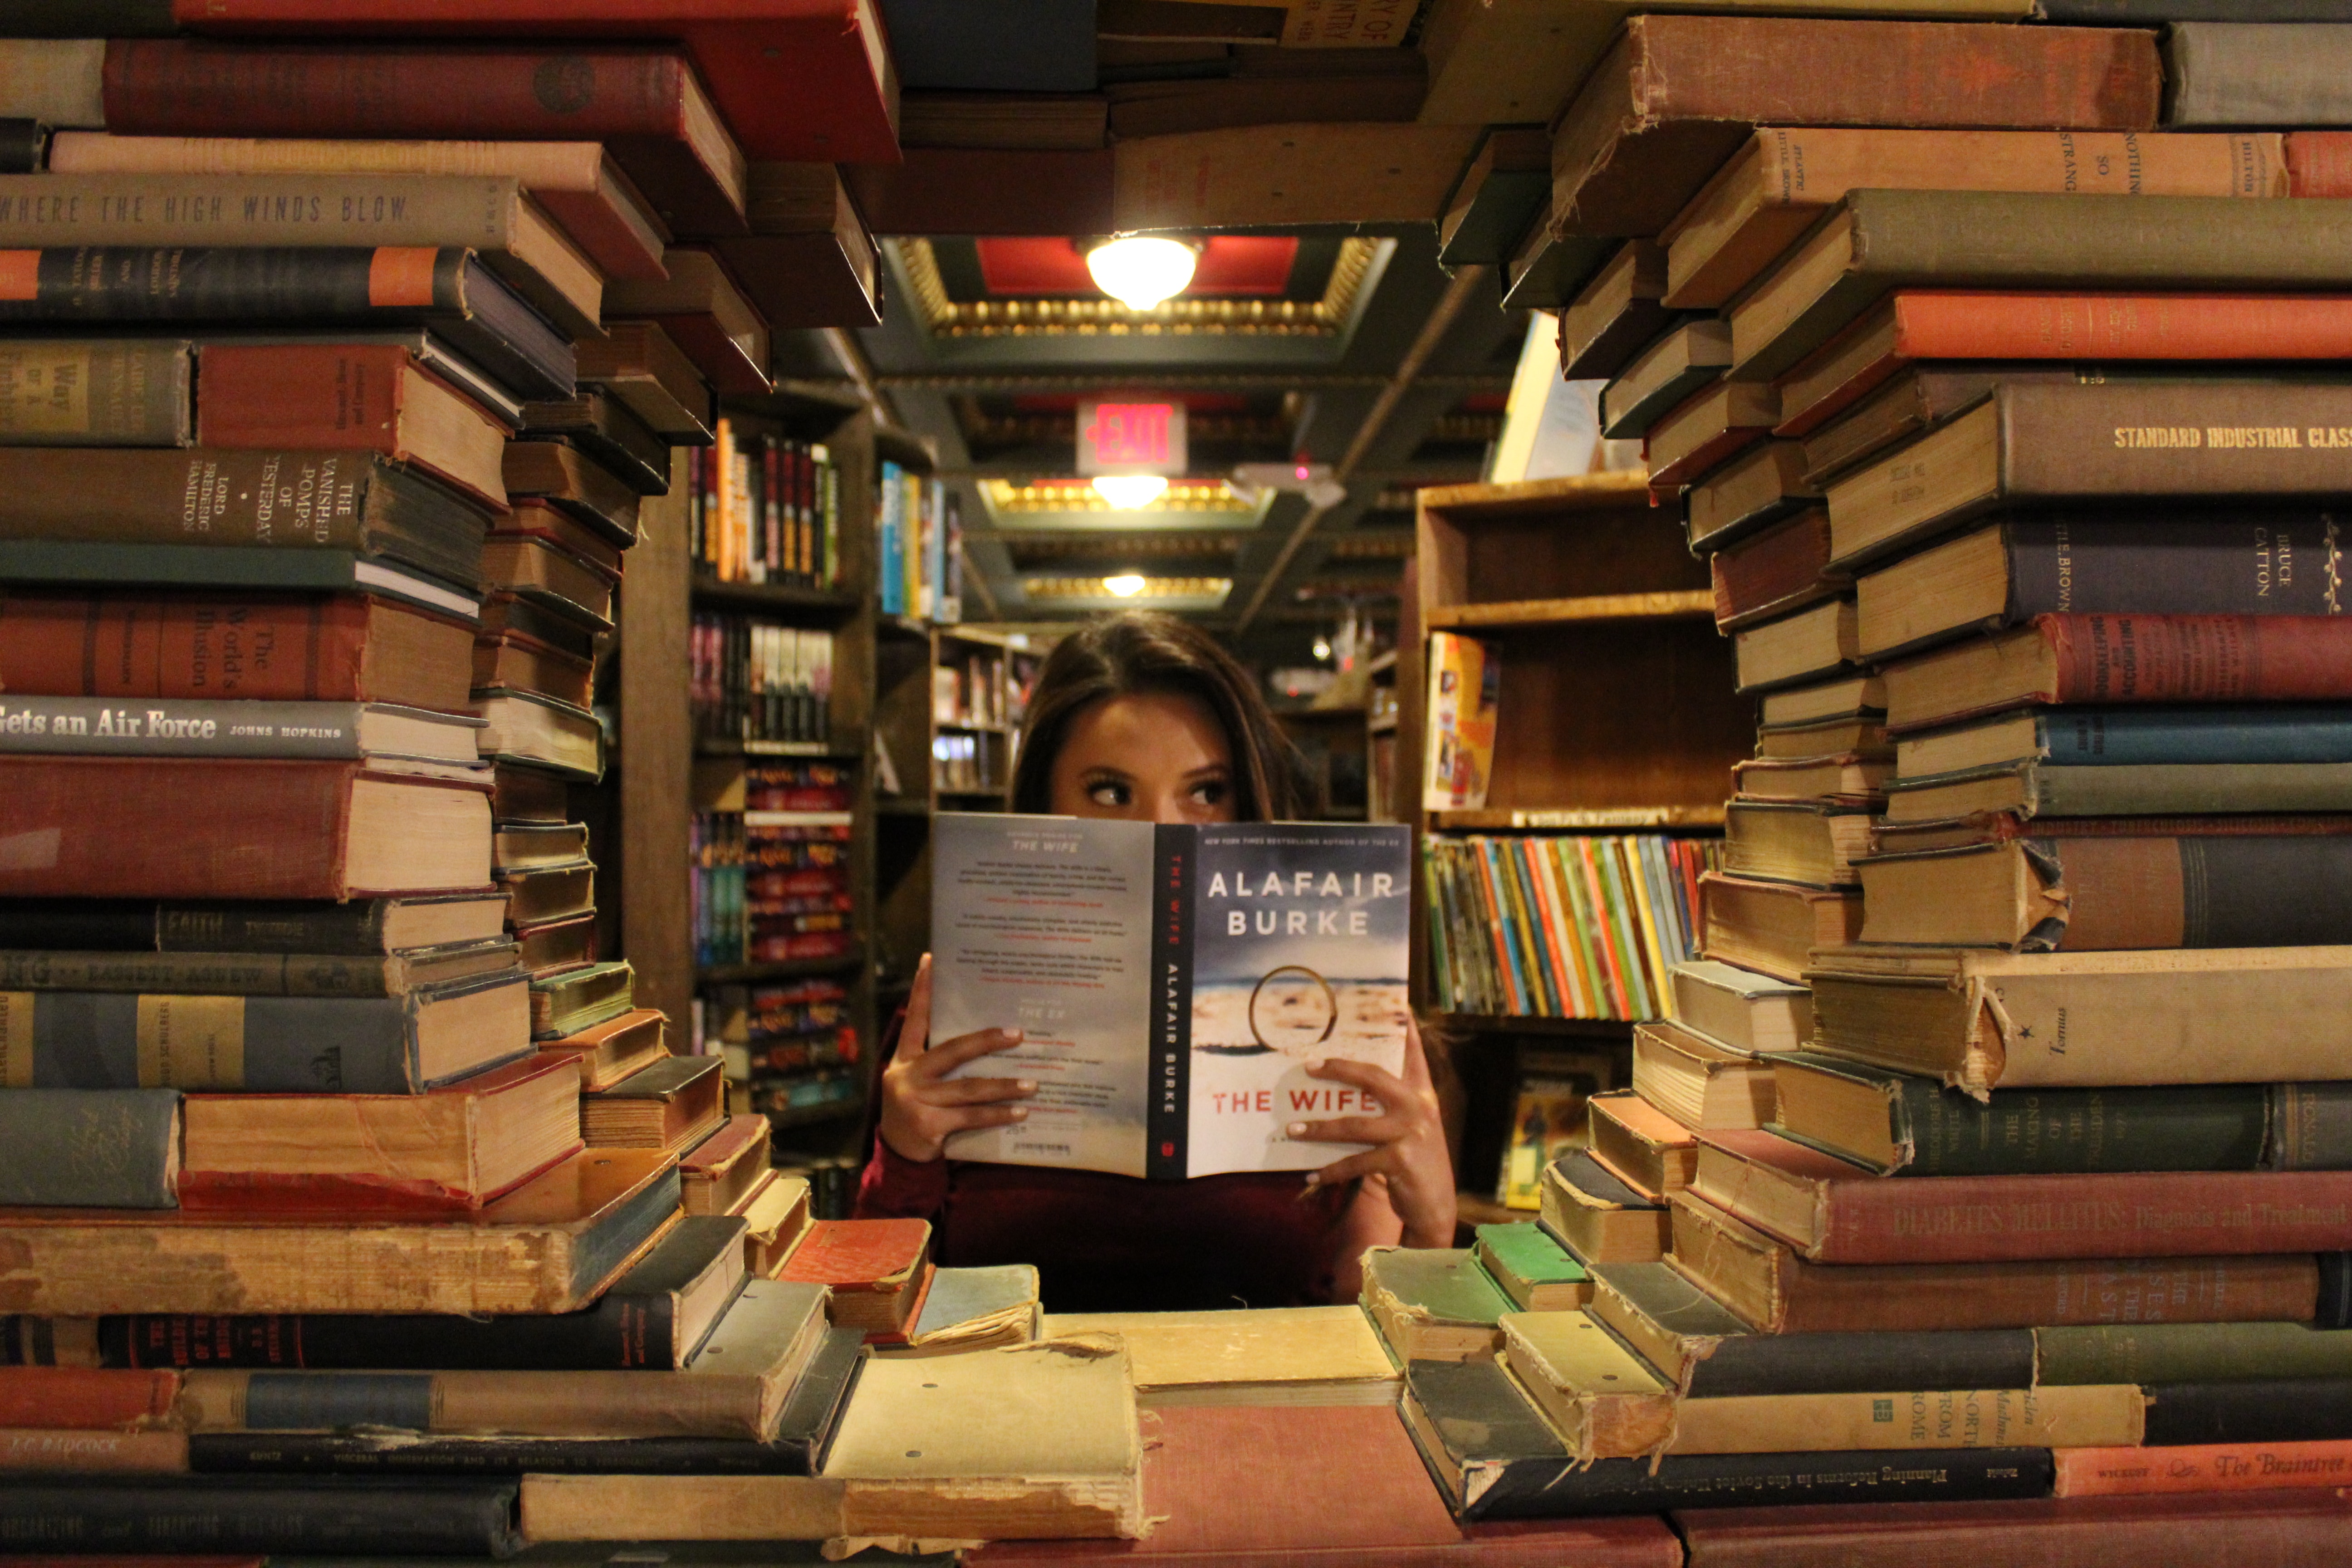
1145, 717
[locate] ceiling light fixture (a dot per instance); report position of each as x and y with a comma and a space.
1142, 271
1126, 586
1131, 492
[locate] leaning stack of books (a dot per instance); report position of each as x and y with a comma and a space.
2040, 1192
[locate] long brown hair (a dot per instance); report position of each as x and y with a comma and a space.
1138, 652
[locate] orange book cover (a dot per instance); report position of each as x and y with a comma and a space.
85, 1398
1984, 324
879, 1255
2202, 1468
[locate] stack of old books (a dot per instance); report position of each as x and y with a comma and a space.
2015, 466
331, 1154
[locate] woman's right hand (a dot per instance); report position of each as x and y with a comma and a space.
921, 1104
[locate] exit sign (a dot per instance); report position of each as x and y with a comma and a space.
1131, 438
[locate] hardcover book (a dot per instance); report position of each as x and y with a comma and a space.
1196, 972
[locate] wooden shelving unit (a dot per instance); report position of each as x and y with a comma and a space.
1618, 709
667, 774
1337, 746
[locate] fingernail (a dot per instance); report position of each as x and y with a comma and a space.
1016, 1034
1315, 1066
1298, 1129
1025, 1085
1020, 1113
1314, 1180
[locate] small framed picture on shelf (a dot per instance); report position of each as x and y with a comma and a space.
1547, 1115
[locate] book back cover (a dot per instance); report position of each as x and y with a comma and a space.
1299, 939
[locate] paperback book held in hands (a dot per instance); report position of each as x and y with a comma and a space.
1174, 982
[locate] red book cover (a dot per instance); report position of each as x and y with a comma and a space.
207, 827
2202, 1468
2303, 1528
345, 397
1978, 324
1784, 568
643, 105
85, 1398
1832, 1212
2198, 658
860, 1254
797, 80
263, 646
1243, 1488
2319, 163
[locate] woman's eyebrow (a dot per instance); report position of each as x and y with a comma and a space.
1106, 770
1211, 768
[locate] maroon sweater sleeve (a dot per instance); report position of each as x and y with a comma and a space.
895, 1187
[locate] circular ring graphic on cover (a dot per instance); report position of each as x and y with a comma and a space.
1331, 1001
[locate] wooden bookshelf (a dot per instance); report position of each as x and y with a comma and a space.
1618, 711
667, 775
1618, 695
1336, 744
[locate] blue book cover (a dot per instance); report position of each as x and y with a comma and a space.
893, 540
2130, 737
1174, 983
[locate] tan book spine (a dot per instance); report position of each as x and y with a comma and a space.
2060, 1417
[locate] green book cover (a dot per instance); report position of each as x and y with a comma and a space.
1446, 1284
1525, 1251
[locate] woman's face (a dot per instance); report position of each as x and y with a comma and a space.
1154, 757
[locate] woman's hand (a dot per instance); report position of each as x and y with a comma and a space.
921, 1104
1410, 1154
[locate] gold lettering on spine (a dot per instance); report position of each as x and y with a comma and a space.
191, 1042
16, 1038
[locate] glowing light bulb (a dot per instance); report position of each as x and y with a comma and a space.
1126, 586
1129, 491
1322, 647
1141, 270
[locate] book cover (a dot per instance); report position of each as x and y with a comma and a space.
1548, 1121
1175, 983
1465, 678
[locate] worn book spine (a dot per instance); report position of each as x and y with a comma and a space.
1966, 1219
179, 727
2091, 328
2205, 1467
214, 1514
2175, 438
1753, 1364
212, 283
636, 102
637, 1404
1898, 1417
2053, 790
1737, 72
1561, 1489
277, 499
2231, 561
257, 209
261, 1044
35, 1451
2197, 659
93, 392
2273, 1410
82, 1149
83, 811
2191, 1352
2023, 240
83, 1398
2126, 737
439, 1454
1800, 171
131, 644
2229, 73
1943, 1133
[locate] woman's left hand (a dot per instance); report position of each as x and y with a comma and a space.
1409, 1139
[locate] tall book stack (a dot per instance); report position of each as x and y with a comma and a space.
323, 455
2000, 1134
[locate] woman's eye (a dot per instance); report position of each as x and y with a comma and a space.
1109, 793
1210, 792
